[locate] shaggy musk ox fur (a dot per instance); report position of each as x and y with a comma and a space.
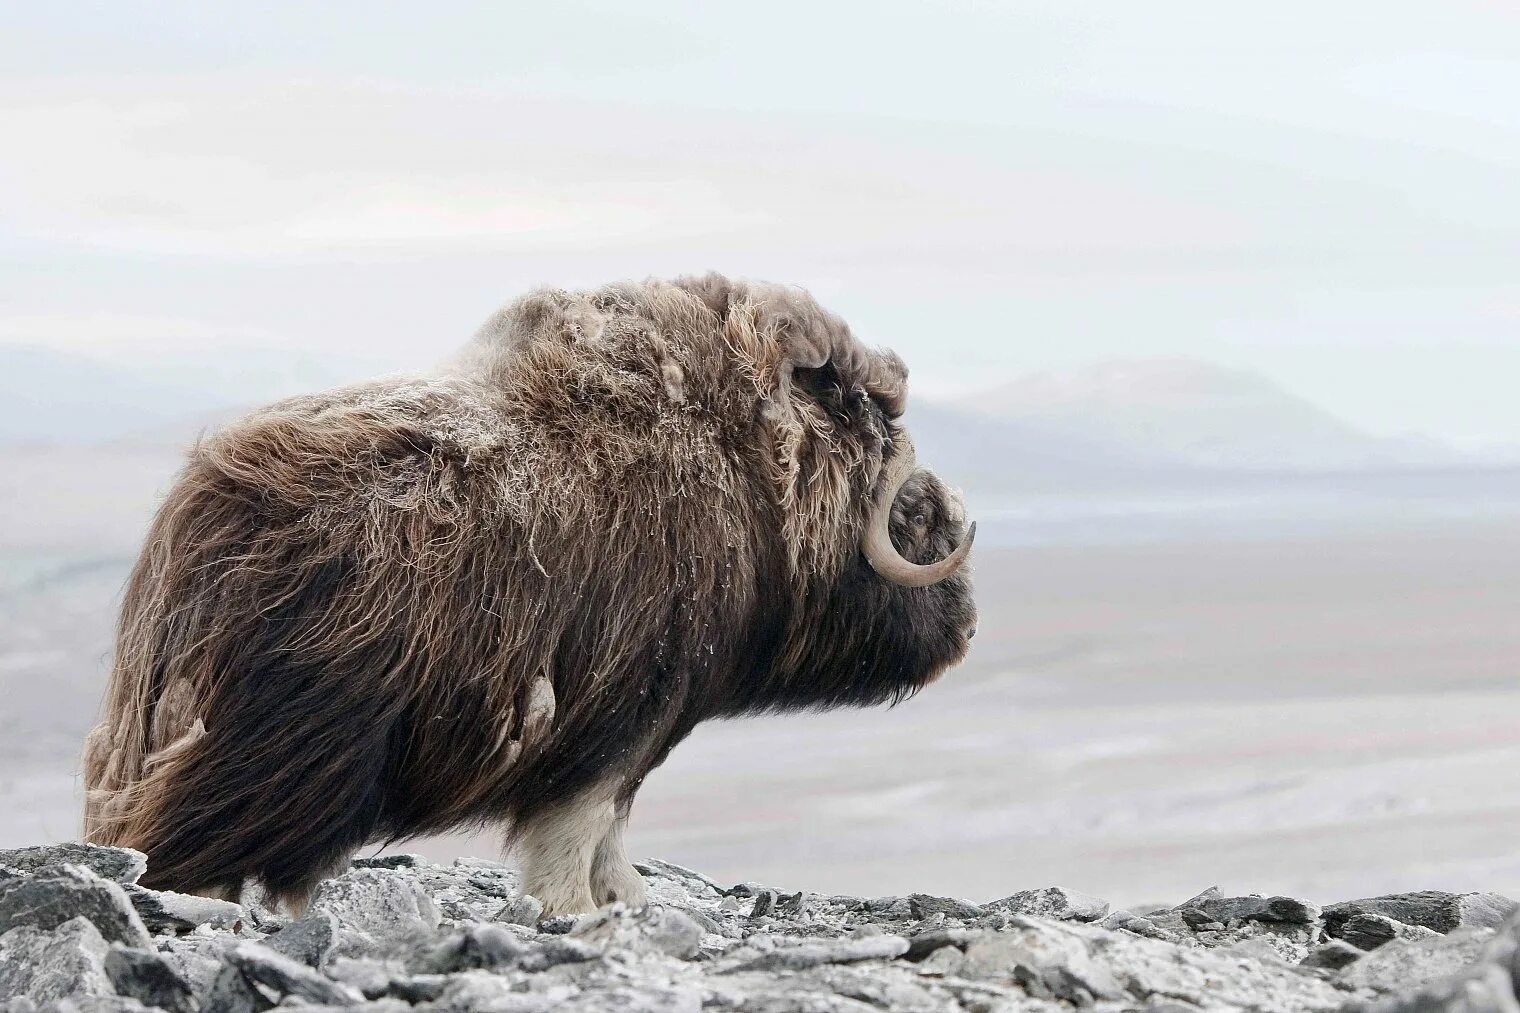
503, 592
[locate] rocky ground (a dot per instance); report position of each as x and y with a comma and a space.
397, 933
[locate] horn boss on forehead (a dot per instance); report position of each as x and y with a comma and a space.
504, 591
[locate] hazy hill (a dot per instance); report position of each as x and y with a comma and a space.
48, 396
52, 397
1196, 413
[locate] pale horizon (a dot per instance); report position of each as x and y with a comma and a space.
1322, 197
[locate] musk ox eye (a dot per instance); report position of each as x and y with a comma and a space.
823, 386
919, 520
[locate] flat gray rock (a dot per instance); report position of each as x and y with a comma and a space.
1054, 902
1331, 956
1047, 966
1432, 909
146, 976
476, 947
1404, 965
121, 865
1486, 989
1252, 908
806, 955
380, 906
923, 905
652, 929
1369, 931
57, 894
285, 977
44, 965
308, 939
166, 911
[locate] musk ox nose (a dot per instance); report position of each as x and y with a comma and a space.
971, 633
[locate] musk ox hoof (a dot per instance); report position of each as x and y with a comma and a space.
571, 895
620, 882
558, 901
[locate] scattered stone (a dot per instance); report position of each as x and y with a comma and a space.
95, 1004
46, 964
1404, 965
1054, 902
1197, 900
477, 947
923, 905
379, 907
806, 955
400, 933
943, 962
57, 894
670, 870
285, 977
926, 943
146, 976
198, 957
558, 925
1432, 909
794, 907
765, 903
1224, 910
121, 865
651, 929
369, 977
1331, 956
1369, 931
1047, 966
165, 911
523, 909
1256, 947
1486, 989
232, 992
308, 939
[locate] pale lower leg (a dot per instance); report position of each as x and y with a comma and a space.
613, 877
558, 849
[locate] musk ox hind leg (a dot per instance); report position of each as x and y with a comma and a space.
572, 854
287, 781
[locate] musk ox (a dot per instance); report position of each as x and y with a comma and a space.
502, 593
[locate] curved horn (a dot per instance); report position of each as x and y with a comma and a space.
877, 544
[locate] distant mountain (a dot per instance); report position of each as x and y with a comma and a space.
55, 397
48, 396
991, 455
1186, 412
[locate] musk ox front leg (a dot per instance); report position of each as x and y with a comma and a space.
572, 854
613, 876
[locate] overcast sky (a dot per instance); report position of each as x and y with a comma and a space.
1323, 192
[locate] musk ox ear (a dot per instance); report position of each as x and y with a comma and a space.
791, 332
809, 337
